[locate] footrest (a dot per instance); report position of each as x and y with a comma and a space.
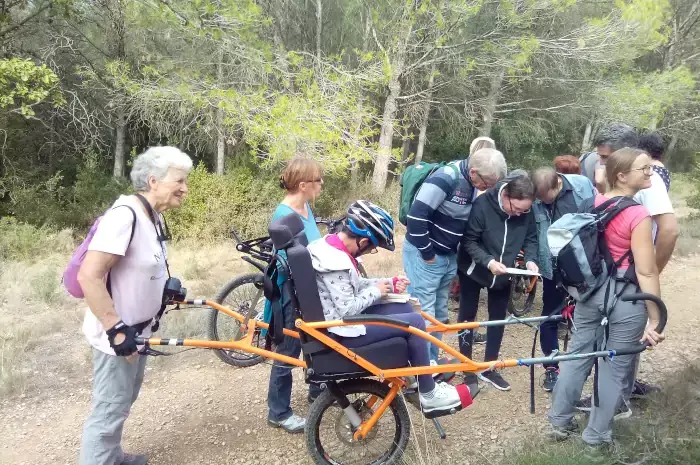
442, 413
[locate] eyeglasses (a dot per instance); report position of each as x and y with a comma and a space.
646, 169
481, 178
514, 211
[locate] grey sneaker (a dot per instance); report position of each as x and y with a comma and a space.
562, 433
293, 424
133, 459
479, 338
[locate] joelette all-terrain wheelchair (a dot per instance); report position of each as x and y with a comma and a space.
361, 416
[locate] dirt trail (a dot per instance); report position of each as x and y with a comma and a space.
194, 409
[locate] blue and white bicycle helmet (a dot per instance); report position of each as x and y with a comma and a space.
366, 219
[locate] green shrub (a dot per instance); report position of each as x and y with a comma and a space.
20, 241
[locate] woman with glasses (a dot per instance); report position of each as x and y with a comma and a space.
302, 181
500, 225
629, 239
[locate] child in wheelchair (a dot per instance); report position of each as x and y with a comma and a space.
344, 292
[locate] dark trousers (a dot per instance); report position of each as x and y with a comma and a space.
468, 307
417, 348
552, 300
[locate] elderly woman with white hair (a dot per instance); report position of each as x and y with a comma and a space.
123, 277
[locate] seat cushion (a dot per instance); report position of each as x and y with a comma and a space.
390, 353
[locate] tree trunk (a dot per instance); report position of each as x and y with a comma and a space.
491, 102
221, 135
585, 145
406, 146
381, 166
120, 145
355, 165
319, 26
668, 153
425, 115
220, 142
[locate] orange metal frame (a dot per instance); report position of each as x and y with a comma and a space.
390, 376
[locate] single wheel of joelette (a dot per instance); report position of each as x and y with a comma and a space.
521, 301
329, 434
244, 295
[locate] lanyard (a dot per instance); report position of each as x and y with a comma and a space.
162, 235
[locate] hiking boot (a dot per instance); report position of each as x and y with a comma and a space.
642, 389
599, 452
133, 459
496, 379
623, 411
561, 433
443, 397
479, 338
293, 424
584, 405
550, 379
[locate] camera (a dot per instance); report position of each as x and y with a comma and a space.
173, 290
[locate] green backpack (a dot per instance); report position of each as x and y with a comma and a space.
410, 183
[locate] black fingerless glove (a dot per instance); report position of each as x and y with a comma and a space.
128, 345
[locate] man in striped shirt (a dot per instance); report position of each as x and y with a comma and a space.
436, 222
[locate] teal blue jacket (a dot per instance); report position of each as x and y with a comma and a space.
582, 189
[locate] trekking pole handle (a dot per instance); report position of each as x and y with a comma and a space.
663, 313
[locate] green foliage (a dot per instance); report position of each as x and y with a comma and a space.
76, 206
23, 85
24, 242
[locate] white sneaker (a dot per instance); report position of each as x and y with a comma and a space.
444, 397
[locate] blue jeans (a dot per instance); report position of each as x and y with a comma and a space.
279, 392
552, 299
430, 284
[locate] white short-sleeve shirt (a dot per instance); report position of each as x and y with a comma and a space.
138, 278
655, 199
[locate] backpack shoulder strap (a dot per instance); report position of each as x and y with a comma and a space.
613, 207
133, 224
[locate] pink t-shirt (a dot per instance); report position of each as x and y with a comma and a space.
139, 276
618, 233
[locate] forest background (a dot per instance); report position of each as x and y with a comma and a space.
365, 87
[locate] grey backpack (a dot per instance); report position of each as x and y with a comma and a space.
580, 255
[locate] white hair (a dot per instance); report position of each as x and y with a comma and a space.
489, 162
156, 161
479, 139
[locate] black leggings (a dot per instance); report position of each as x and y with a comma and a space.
469, 305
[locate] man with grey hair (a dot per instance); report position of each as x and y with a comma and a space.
127, 304
436, 222
609, 139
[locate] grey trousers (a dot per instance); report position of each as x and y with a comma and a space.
627, 322
115, 387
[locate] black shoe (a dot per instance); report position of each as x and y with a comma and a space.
496, 379
642, 389
562, 433
469, 378
133, 459
550, 379
585, 405
479, 338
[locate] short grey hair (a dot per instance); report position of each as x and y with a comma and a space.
480, 143
489, 162
156, 161
617, 136
545, 178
